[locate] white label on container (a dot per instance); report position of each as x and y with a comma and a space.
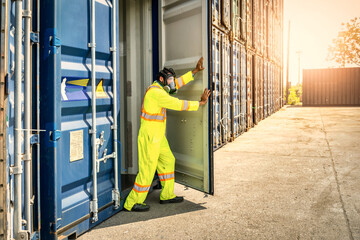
76, 145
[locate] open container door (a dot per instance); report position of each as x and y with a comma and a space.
184, 38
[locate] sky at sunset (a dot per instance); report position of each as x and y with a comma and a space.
314, 23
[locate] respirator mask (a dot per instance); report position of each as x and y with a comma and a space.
169, 80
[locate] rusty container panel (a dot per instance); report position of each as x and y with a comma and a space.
216, 81
249, 94
236, 96
266, 29
225, 88
265, 102
261, 89
236, 19
243, 17
331, 87
255, 87
221, 13
243, 77
261, 28
225, 13
256, 28
250, 22
216, 12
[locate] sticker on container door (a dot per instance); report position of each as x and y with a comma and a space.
100, 93
76, 145
73, 89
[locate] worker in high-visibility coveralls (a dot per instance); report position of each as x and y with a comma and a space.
153, 148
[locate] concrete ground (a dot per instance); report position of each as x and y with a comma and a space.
296, 175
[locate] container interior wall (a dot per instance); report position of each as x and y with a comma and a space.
136, 74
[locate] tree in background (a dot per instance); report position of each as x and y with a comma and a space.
345, 49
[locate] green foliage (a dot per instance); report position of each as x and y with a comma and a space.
345, 49
295, 93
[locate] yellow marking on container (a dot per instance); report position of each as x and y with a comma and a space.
79, 82
100, 93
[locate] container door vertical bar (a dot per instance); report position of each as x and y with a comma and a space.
27, 126
116, 192
92, 45
17, 169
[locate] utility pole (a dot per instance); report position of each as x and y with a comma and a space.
299, 57
287, 67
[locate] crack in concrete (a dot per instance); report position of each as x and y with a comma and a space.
337, 180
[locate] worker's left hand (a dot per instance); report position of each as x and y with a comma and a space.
199, 66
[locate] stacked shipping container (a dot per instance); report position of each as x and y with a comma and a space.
247, 35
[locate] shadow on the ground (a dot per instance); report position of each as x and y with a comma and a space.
157, 210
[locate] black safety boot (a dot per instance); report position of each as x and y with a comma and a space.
173, 200
140, 208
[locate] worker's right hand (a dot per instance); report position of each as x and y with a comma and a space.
205, 96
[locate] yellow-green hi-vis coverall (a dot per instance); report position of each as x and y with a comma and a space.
153, 148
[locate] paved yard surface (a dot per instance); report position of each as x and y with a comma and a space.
296, 175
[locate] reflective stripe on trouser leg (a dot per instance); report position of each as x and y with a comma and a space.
165, 169
148, 159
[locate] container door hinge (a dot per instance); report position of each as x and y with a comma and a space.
116, 198
55, 226
94, 211
35, 236
55, 135
15, 170
23, 235
34, 139
34, 37
55, 42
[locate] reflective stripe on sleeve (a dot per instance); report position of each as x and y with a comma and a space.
185, 106
179, 82
166, 176
140, 188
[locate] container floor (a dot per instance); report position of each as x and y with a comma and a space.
294, 176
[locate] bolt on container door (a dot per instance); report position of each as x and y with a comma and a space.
188, 133
66, 89
216, 94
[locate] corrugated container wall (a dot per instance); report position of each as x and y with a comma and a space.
251, 89
331, 87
